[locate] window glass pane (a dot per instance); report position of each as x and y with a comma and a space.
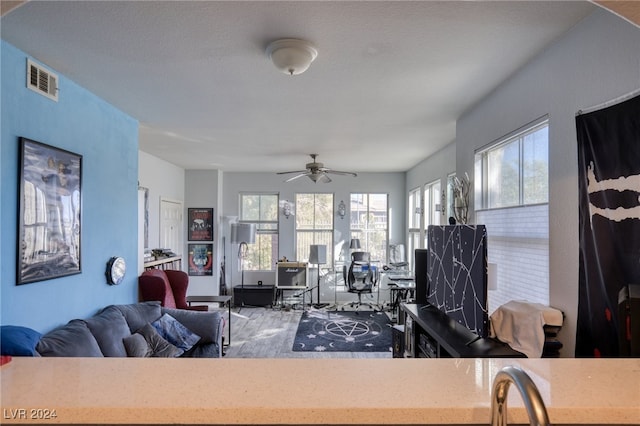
435, 204
314, 224
324, 211
269, 208
414, 209
370, 223
535, 168
250, 207
261, 255
503, 185
412, 244
304, 240
262, 210
427, 206
305, 211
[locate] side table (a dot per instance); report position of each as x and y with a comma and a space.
224, 300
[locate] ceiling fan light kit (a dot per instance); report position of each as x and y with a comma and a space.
291, 56
317, 172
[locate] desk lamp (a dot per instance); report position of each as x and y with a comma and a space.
318, 255
354, 245
242, 234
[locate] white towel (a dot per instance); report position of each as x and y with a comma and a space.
520, 324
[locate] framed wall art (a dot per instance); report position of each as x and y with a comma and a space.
49, 217
200, 224
200, 259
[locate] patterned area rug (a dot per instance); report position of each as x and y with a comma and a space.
321, 331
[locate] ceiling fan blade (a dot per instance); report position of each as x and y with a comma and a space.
337, 172
295, 171
297, 176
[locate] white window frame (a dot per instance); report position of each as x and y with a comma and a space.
414, 223
517, 233
363, 232
319, 233
263, 228
433, 202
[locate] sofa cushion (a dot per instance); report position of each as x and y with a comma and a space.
175, 333
18, 341
137, 346
139, 314
160, 348
109, 328
72, 339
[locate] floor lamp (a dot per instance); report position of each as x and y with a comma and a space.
242, 234
318, 255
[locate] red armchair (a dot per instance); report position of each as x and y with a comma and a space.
167, 286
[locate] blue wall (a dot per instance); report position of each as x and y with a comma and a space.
107, 139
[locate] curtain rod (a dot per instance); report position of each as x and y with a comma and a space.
609, 103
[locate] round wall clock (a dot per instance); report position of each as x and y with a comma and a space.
116, 269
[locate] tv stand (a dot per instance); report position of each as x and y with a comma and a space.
430, 333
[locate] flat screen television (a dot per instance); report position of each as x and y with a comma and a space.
457, 274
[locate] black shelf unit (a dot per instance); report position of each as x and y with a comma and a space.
430, 333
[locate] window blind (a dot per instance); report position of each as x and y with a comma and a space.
518, 242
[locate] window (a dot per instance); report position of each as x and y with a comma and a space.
261, 209
432, 205
370, 223
512, 187
414, 221
515, 171
314, 224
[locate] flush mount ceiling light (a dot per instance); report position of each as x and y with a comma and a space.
291, 56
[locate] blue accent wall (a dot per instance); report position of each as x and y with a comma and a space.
107, 139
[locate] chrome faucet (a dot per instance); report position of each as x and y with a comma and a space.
529, 392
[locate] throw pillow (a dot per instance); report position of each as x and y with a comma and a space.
18, 341
137, 346
109, 328
72, 339
139, 314
160, 348
175, 332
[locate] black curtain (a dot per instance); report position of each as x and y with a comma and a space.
609, 209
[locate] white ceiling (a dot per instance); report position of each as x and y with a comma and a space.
389, 83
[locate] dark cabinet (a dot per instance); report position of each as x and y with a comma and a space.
430, 333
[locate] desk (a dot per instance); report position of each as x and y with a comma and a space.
225, 300
401, 288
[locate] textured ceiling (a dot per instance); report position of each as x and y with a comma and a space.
389, 83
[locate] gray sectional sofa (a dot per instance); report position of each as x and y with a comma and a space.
141, 329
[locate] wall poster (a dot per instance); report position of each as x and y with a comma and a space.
200, 258
200, 224
49, 225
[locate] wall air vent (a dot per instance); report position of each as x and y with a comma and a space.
42, 80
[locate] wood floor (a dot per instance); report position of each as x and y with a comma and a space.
269, 333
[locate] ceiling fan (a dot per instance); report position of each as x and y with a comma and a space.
317, 172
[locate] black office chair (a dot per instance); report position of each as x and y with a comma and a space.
361, 278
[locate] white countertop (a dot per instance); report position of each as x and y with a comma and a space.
310, 391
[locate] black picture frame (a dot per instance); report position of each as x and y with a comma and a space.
200, 259
200, 224
50, 212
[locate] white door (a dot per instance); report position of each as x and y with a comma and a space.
171, 225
